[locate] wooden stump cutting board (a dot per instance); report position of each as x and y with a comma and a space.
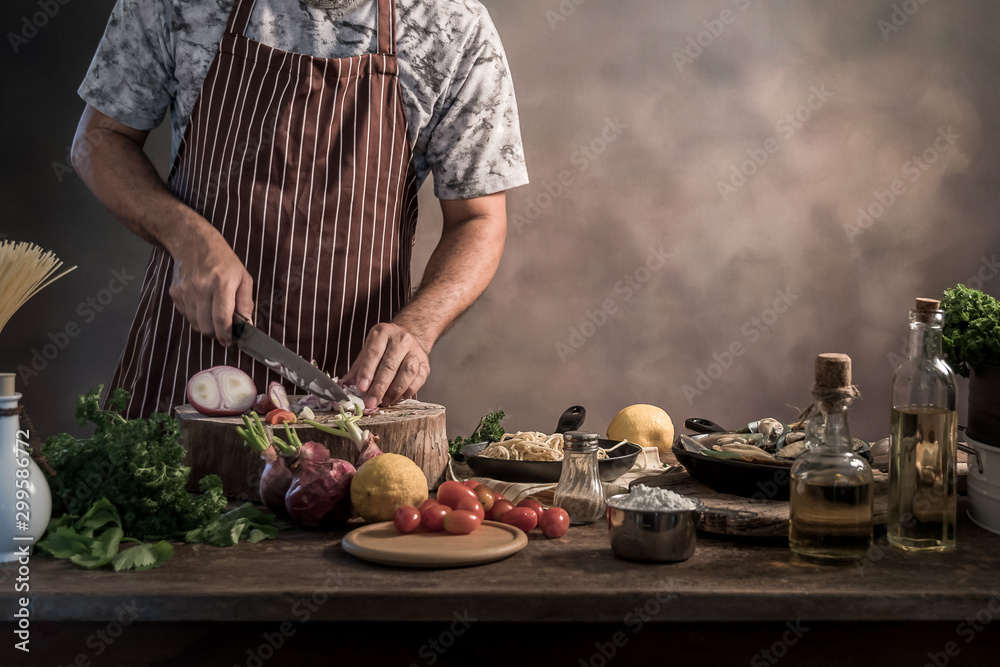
410, 428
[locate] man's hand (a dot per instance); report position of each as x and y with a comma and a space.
392, 366
210, 284
393, 363
209, 281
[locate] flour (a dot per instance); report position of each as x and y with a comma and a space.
654, 499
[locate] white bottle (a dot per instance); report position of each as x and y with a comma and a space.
25, 499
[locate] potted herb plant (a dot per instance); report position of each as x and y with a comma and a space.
972, 347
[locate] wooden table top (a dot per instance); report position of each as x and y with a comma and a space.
307, 576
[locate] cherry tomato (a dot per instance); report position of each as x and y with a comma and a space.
451, 492
486, 496
471, 506
499, 508
471, 483
432, 518
461, 522
533, 504
406, 519
554, 522
524, 518
430, 502
498, 496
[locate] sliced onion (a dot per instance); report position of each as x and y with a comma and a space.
278, 396
221, 390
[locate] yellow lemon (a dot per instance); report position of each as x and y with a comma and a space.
385, 482
645, 425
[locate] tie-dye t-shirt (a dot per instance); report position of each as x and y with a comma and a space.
457, 90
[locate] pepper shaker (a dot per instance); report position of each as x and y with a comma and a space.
579, 490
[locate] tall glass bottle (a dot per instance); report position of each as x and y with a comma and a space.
830, 490
922, 440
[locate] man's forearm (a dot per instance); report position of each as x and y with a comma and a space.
461, 267
111, 162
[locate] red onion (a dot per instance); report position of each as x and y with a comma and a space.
318, 490
221, 390
274, 481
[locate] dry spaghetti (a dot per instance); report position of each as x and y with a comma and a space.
25, 270
532, 446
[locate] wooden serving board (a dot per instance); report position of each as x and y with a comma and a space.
382, 543
726, 514
410, 428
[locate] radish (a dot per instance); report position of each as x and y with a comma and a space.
221, 390
304, 481
346, 426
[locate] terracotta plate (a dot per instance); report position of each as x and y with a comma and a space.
382, 543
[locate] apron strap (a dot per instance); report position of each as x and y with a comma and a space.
387, 27
239, 17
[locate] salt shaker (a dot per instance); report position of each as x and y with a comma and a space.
580, 491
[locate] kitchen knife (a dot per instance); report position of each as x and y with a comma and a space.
283, 361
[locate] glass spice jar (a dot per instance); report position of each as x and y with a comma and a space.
579, 490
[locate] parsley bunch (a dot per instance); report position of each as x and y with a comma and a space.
137, 464
489, 430
971, 334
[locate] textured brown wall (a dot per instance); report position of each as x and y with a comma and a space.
627, 144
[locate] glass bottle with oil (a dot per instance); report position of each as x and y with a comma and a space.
830, 489
922, 440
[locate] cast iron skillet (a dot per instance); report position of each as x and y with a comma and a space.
545, 472
762, 481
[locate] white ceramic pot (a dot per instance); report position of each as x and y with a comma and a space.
21, 481
984, 485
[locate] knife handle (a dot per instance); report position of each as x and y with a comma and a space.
239, 326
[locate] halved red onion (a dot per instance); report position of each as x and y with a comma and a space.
221, 390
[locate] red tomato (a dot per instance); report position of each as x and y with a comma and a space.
499, 508
430, 502
471, 483
471, 506
524, 518
554, 522
486, 496
432, 518
533, 504
461, 522
406, 519
451, 492
498, 496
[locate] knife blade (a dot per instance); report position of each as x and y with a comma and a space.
283, 361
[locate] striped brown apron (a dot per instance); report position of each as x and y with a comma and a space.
303, 164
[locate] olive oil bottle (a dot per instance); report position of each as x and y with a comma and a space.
830, 489
923, 434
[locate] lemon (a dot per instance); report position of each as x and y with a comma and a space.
385, 482
645, 425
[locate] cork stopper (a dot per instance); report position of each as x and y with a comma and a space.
7, 387
926, 308
833, 371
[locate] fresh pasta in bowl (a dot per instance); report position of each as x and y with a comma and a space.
535, 457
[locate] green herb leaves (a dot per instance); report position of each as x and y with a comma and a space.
93, 540
138, 464
489, 430
971, 335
